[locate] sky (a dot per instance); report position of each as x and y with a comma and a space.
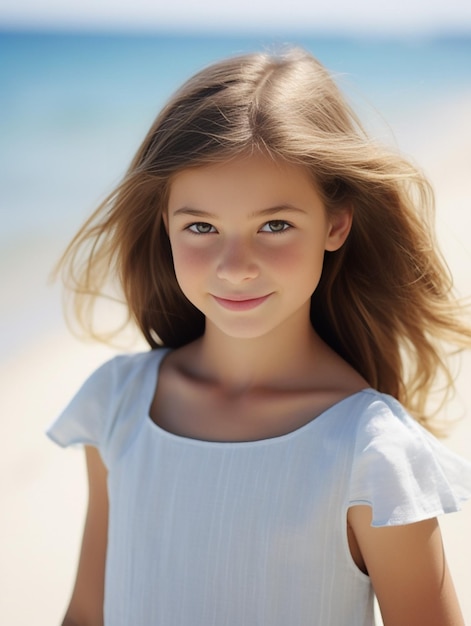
372, 16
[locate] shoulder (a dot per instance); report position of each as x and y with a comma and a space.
114, 378
384, 425
368, 414
114, 375
384, 429
373, 413
124, 365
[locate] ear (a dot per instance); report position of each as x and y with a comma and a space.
340, 223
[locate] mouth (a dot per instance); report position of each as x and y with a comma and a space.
239, 303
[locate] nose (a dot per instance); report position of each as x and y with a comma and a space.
237, 262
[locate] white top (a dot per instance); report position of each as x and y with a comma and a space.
250, 533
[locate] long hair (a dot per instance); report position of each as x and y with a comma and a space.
384, 301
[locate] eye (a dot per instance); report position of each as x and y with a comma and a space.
275, 226
201, 228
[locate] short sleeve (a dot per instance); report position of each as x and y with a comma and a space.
402, 471
111, 406
86, 419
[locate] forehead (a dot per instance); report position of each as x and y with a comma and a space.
255, 179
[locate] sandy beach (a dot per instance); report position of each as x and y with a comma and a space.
44, 487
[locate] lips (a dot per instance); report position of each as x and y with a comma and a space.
240, 303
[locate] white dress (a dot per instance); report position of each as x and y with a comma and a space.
254, 533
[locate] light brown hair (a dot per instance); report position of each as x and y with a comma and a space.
384, 301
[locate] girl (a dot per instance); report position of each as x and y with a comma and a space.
260, 465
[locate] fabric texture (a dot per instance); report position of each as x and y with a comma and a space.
232, 534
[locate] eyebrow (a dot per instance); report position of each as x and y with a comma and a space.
262, 213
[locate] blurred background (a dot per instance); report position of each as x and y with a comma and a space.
80, 83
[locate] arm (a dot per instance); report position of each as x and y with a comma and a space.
408, 571
86, 604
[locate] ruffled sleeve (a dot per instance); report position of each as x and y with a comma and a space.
87, 417
111, 406
402, 471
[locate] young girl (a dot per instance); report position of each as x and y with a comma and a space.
260, 465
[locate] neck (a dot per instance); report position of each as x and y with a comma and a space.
283, 358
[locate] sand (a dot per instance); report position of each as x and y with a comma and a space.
43, 486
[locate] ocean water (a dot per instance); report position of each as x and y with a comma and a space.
75, 107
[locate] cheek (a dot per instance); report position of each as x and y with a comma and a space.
300, 269
189, 262
298, 259
191, 256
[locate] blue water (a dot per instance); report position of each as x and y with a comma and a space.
73, 108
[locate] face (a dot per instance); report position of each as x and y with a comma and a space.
248, 239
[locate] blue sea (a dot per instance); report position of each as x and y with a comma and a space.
75, 107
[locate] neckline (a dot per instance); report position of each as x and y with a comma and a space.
151, 384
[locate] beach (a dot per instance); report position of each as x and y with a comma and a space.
44, 487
